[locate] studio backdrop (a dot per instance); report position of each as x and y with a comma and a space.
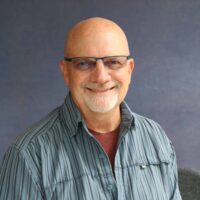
164, 38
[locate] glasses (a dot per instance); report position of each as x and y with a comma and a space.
88, 63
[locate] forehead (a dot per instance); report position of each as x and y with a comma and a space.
96, 41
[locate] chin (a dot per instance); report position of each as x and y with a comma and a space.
102, 104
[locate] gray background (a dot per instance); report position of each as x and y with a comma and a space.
164, 38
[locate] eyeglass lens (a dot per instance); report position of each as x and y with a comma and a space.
109, 62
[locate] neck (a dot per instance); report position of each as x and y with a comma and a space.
103, 122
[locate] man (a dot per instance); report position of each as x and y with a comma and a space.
92, 147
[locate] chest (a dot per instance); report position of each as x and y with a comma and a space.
80, 169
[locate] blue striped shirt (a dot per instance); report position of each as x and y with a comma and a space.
59, 159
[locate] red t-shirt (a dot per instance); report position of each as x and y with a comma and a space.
109, 143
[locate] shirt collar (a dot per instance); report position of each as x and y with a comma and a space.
127, 116
72, 116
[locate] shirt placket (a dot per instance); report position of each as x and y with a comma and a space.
107, 177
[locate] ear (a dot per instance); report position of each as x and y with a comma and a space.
64, 71
131, 64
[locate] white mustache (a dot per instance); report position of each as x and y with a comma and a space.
101, 86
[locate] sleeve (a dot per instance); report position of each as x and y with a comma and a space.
16, 179
171, 172
175, 192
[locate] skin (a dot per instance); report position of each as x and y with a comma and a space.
97, 37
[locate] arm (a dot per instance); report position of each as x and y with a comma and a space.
16, 178
174, 188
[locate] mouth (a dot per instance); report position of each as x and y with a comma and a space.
101, 90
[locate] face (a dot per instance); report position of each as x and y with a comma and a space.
99, 89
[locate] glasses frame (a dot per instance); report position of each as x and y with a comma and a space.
67, 59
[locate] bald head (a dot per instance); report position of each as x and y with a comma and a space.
96, 37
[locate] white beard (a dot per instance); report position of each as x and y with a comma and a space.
98, 103
101, 102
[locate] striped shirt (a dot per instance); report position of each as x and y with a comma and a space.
59, 159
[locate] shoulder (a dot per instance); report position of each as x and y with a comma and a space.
38, 131
26, 156
152, 137
149, 126
145, 131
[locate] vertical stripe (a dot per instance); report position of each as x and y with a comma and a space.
58, 158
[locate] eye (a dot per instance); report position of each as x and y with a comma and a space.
113, 63
84, 64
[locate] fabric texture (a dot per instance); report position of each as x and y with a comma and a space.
109, 142
58, 158
189, 182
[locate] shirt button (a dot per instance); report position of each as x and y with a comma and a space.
142, 166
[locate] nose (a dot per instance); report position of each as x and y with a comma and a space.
100, 73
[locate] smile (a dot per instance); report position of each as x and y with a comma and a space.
101, 90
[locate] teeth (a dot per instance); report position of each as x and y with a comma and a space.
100, 90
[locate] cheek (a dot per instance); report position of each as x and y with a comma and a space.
124, 78
72, 84
76, 80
